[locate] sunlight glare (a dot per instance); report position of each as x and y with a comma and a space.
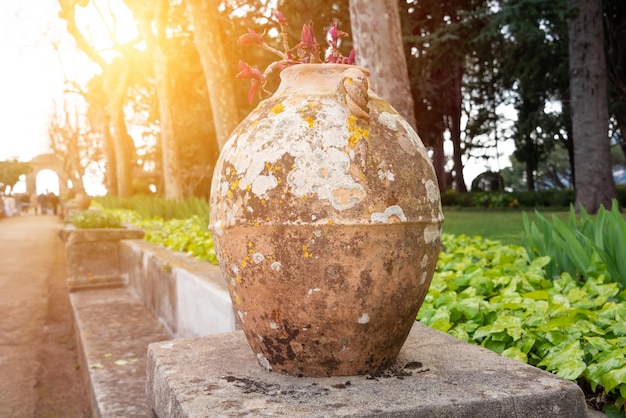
93, 180
47, 181
105, 21
20, 186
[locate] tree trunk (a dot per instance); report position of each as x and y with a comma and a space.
152, 23
219, 76
123, 144
594, 177
109, 151
439, 161
569, 145
172, 178
454, 111
377, 38
530, 177
101, 123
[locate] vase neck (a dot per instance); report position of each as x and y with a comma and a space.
313, 78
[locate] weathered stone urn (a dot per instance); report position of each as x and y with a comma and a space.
327, 220
82, 200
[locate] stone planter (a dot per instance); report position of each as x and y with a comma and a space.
327, 219
93, 259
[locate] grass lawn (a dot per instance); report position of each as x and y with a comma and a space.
505, 226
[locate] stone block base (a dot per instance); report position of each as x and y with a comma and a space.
436, 376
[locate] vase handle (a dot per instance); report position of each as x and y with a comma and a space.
353, 87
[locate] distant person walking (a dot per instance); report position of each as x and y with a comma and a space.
34, 203
42, 201
53, 202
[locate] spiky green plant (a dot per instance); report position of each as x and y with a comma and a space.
582, 246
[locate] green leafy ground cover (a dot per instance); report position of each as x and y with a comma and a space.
491, 294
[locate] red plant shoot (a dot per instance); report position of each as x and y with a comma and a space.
307, 51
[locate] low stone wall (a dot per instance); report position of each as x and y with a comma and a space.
93, 255
189, 297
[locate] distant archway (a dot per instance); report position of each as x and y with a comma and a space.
48, 181
46, 162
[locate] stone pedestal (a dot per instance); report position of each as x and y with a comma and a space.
436, 376
93, 259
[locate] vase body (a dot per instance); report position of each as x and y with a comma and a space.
82, 200
326, 217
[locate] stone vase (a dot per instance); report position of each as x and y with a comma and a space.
82, 200
326, 217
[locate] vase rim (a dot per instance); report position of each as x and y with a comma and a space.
330, 66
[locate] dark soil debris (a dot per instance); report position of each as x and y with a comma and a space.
398, 370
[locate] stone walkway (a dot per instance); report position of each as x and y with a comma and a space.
39, 368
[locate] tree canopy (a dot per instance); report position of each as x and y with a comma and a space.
10, 172
481, 73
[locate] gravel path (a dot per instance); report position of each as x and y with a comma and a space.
38, 355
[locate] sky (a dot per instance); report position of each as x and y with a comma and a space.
31, 76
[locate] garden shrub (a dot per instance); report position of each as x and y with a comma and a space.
158, 207
487, 181
557, 199
552, 198
492, 200
583, 247
526, 199
452, 198
95, 219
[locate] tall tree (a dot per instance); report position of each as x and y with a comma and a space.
211, 48
99, 120
71, 141
588, 84
115, 81
534, 69
152, 22
615, 47
442, 44
378, 43
425, 81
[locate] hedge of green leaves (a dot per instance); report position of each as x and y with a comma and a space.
500, 200
190, 235
492, 295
